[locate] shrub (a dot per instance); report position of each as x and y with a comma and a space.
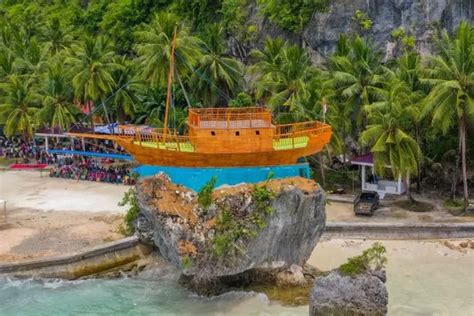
205, 194
292, 15
363, 20
372, 258
186, 262
130, 199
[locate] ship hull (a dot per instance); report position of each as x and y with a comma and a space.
162, 157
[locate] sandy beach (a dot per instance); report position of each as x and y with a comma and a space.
50, 216
423, 277
28, 190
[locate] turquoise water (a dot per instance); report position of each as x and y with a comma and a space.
151, 293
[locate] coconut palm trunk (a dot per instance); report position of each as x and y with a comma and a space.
463, 160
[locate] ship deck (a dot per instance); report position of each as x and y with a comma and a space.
278, 144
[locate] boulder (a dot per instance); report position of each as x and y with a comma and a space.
243, 232
339, 295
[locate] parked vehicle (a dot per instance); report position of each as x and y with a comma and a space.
366, 203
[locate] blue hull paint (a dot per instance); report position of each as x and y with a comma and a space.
195, 178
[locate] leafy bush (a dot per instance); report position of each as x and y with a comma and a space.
292, 15
372, 258
186, 262
130, 199
363, 20
242, 100
205, 194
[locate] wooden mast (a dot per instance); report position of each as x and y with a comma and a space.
170, 80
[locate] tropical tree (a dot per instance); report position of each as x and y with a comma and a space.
154, 49
56, 37
92, 64
216, 77
387, 135
58, 109
354, 68
18, 107
282, 77
7, 64
451, 99
124, 98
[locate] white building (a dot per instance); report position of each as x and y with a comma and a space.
371, 182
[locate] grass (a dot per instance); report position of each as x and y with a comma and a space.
416, 206
454, 205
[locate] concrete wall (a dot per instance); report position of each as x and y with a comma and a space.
85, 263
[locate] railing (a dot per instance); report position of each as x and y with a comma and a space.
230, 118
296, 135
159, 140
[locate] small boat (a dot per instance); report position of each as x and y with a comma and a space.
221, 137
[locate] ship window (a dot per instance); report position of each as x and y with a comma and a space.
257, 132
213, 133
237, 133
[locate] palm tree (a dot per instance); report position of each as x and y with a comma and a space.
451, 99
217, 77
18, 107
281, 78
7, 64
124, 98
57, 99
56, 37
355, 79
387, 134
154, 49
92, 65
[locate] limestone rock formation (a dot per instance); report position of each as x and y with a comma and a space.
420, 18
339, 295
271, 227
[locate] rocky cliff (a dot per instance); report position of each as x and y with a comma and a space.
420, 18
271, 227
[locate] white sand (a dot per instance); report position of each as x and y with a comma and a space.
26, 189
424, 277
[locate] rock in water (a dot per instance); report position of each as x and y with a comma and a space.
340, 295
266, 229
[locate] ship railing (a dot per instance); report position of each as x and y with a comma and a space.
159, 140
227, 119
297, 135
128, 130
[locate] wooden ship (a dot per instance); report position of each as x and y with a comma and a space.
221, 137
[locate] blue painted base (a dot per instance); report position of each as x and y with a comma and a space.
196, 178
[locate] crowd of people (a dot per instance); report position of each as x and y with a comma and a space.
69, 166
95, 146
92, 169
19, 150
